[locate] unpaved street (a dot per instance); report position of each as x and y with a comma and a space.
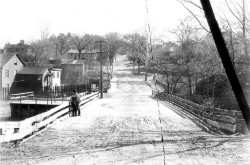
127, 127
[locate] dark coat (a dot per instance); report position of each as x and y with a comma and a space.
75, 101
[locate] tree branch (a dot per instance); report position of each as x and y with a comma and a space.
239, 20
194, 14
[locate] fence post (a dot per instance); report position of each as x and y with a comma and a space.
8, 92
69, 108
55, 94
4, 93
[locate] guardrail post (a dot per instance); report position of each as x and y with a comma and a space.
69, 109
29, 111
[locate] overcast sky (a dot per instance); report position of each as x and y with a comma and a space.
23, 19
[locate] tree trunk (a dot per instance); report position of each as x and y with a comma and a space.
139, 68
133, 66
190, 85
56, 50
168, 87
146, 75
79, 54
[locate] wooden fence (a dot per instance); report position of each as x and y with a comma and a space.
57, 91
4, 93
16, 131
230, 121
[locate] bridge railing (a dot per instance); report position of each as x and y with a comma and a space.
20, 96
230, 121
16, 131
50, 98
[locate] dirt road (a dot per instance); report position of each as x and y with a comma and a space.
128, 127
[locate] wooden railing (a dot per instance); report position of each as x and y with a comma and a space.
14, 131
230, 121
4, 93
29, 95
49, 99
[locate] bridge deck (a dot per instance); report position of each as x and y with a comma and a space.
40, 102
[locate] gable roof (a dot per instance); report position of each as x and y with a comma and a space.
4, 58
65, 61
33, 70
83, 51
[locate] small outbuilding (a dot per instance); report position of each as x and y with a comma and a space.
35, 79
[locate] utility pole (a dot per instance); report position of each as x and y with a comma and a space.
226, 61
101, 75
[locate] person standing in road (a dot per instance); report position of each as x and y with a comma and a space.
75, 103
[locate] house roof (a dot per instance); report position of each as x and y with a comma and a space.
18, 45
33, 70
83, 51
56, 69
73, 51
4, 58
72, 61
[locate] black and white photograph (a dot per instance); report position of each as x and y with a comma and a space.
125, 82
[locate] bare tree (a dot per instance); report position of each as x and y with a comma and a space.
237, 14
113, 44
238, 11
81, 42
136, 46
38, 49
198, 13
61, 43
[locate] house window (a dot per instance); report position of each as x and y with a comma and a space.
7, 73
58, 74
15, 63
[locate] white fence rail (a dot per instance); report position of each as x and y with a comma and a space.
12, 131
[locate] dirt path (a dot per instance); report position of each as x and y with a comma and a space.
125, 128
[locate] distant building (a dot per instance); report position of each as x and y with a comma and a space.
90, 59
85, 55
35, 79
10, 65
71, 67
20, 48
56, 77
